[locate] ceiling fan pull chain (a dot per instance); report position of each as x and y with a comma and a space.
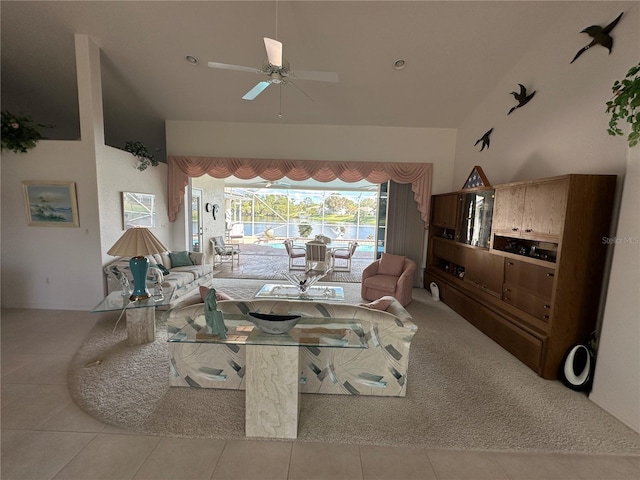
280, 109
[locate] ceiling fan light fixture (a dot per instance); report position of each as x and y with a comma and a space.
399, 64
192, 60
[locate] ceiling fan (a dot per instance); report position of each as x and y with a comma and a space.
271, 183
277, 70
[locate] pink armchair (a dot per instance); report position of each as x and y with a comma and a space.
391, 275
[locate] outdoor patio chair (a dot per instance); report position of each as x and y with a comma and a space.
318, 256
225, 252
343, 254
236, 232
294, 252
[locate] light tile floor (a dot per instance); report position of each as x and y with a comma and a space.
46, 436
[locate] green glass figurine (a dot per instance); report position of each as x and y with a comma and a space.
213, 316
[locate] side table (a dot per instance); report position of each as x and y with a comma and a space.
141, 314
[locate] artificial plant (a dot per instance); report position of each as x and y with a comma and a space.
304, 229
138, 150
625, 105
19, 133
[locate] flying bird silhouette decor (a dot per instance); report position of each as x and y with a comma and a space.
600, 36
521, 97
484, 139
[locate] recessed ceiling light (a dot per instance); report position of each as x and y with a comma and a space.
399, 64
191, 59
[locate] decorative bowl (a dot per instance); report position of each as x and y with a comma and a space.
273, 324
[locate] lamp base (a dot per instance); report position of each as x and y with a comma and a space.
133, 298
139, 266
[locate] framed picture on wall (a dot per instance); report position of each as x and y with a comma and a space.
138, 210
51, 204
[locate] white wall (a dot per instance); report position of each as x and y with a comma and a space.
61, 267
117, 174
49, 267
318, 142
616, 386
563, 130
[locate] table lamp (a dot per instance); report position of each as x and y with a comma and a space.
136, 243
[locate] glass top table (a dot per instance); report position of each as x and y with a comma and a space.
308, 332
116, 301
290, 292
271, 376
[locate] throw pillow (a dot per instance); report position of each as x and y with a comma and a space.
391, 265
180, 259
162, 268
380, 304
204, 291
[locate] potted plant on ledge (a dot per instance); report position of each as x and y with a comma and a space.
625, 105
138, 150
19, 133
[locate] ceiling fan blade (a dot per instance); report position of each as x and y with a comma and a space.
318, 76
274, 51
255, 91
226, 66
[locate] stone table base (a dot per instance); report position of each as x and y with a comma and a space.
141, 325
272, 393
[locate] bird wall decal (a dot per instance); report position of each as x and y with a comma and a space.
600, 37
484, 139
521, 97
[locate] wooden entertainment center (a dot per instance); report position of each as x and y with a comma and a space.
524, 262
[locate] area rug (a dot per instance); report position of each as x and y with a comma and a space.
464, 392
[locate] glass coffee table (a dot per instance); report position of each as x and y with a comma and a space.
272, 393
290, 292
141, 314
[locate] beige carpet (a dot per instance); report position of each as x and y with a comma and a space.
464, 392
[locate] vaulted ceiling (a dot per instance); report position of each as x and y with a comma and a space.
455, 51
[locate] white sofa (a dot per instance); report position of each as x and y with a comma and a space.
183, 280
380, 370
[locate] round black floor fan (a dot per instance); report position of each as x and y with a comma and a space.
577, 367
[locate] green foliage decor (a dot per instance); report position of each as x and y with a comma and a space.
304, 229
19, 133
138, 150
625, 105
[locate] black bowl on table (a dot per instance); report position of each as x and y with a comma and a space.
273, 324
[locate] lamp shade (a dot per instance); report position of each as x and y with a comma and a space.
137, 241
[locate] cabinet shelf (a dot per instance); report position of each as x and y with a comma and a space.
546, 252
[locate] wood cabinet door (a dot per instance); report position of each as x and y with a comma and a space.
444, 208
493, 267
537, 307
508, 209
544, 208
485, 270
535, 279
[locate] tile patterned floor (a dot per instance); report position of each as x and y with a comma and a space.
46, 436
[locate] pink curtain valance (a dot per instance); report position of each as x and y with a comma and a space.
180, 168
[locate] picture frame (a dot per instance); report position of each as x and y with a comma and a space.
51, 203
138, 210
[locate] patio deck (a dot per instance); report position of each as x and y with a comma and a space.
267, 262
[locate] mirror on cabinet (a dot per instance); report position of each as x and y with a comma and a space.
475, 214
